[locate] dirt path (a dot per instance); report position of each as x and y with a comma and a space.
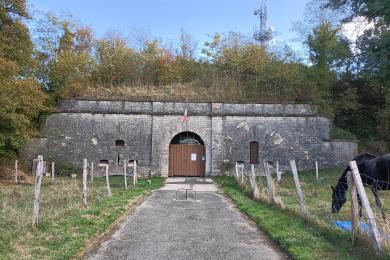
208, 228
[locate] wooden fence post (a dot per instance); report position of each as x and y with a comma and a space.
108, 182
278, 173
85, 187
255, 188
91, 173
242, 181
298, 187
366, 204
354, 207
125, 173
316, 170
37, 191
240, 174
135, 177
250, 177
270, 185
16, 172
52, 173
237, 174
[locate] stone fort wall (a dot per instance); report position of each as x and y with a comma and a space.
85, 129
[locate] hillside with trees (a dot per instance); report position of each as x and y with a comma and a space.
61, 59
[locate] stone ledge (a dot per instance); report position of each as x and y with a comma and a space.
178, 108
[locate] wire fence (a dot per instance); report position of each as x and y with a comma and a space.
57, 196
319, 202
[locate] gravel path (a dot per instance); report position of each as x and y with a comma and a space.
208, 228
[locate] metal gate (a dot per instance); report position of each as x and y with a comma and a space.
187, 160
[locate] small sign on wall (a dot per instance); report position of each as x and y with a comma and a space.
193, 157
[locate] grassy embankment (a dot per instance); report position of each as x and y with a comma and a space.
312, 238
66, 227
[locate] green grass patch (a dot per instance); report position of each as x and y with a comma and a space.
301, 238
65, 225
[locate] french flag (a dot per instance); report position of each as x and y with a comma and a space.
185, 117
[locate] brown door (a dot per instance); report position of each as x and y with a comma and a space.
187, 160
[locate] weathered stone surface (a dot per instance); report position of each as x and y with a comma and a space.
89, 129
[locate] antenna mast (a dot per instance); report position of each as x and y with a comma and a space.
262, 34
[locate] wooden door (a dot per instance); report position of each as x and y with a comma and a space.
187, 160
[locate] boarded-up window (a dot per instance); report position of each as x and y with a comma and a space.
254, 153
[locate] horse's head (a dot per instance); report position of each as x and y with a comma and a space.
338, 198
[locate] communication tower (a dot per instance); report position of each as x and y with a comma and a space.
262, 34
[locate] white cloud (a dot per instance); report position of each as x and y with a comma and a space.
354, 29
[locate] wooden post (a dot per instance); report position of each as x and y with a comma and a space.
270, 184
278, 173
108, 182
237, 174
242, 182
298, 187
37, 191
16, 172
316, 170
250, 177
85, 187
52, 173
375, 238
124, 173
255, 188
135, 173
354, 207
91, 173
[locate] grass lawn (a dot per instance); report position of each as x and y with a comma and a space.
65, 225
312, 238
318, 196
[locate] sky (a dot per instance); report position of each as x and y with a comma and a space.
165, 18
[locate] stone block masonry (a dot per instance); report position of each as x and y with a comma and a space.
117, 132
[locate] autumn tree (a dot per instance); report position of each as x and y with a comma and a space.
21, 97
64, 51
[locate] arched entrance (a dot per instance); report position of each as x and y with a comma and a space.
187, 155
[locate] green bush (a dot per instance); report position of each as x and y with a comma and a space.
339, 133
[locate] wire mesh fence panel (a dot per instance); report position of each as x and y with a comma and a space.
57, 202
379, 199
328, 199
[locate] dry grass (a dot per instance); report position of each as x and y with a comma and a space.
189, 92
61, 204
57, 202
7, 173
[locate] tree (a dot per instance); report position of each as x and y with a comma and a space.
15, 43
66, 43
116, 62
374, 54
187, 45
328, 53
316, 12
326, 48
21, 97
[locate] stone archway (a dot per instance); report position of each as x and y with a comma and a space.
187, 155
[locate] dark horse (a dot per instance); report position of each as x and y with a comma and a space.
375, 174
